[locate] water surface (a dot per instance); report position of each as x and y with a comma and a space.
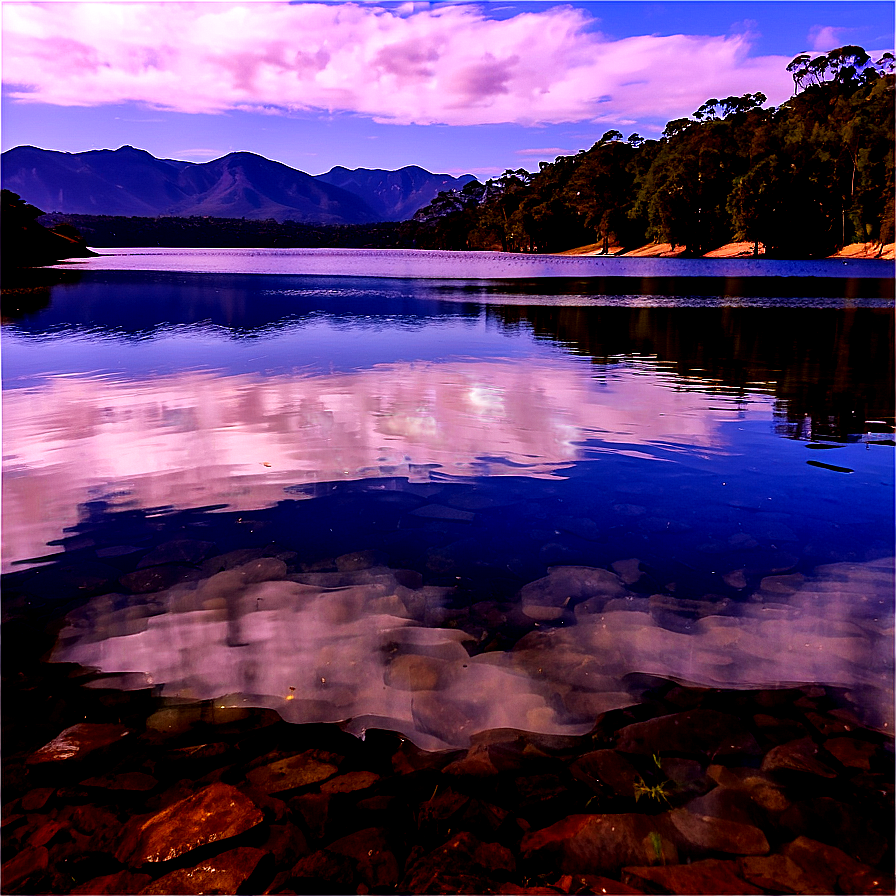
388, 500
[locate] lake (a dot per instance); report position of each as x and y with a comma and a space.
442, 493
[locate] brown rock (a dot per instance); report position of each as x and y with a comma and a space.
606, 767
350, 782
698, 834
45, 833
77, 742
291, 773
463, 854
225, 873
36, 799
598, 844
695, 731
797, 756
758, 786
335, 872
411, 672
286, 843
113, 884
851, 752
595, 883
476, 764
314, 810
376, 864
711, 877
215, 813
27, 865
134, 782
781, 875
828, 725
851, 828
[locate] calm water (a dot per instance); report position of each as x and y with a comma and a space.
479, 504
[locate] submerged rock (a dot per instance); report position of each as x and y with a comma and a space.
214, 814
77, 742
711, 877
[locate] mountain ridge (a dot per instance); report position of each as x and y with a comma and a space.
129, 181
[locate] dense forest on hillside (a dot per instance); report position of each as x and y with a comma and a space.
803, 179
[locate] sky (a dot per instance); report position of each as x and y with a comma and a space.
455, 87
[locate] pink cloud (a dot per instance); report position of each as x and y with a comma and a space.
412, 64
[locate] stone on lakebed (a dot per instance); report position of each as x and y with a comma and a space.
215, 813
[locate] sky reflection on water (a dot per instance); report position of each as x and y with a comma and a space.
545, 499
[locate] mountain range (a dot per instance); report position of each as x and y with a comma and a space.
131, 182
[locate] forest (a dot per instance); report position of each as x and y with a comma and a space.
802, 179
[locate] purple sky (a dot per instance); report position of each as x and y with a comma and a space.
453, 87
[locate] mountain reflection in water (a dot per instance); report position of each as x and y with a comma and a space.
421, 506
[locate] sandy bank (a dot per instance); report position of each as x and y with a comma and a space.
729, 250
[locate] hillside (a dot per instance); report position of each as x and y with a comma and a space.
132, 182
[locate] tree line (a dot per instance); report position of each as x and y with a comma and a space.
802, 179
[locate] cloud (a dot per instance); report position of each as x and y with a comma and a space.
825, 38
544, 152
414, 64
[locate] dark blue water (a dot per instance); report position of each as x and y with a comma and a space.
538, 497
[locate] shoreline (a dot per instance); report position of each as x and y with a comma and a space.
886, 252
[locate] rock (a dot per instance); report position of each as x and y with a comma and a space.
325, 872
852, 829
314, 811
113, 884
781, 875
350, 782
699, 834
27, 865
609, 768
779, 731
695, 731
158, 578
36, 799
286, 843
851, 752
797, 756
465, 855
597, 844
225, 873
292, 773
376, 864
735, 579
761, 790
565, 585
828, 725
46, 833
130, 782
182, 550
77, 742
835, 867
415, 673
215, 813
711, 877
593, 883
358, 560
477, 763
686, 774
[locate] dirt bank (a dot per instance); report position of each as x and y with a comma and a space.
729, 250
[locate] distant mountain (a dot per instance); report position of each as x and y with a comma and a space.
131, 182
394, 195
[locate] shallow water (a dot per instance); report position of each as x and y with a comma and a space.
466, 508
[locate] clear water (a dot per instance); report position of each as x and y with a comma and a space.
725, 463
